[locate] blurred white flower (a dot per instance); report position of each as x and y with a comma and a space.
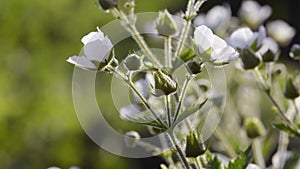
97, 47
53, 167
212, 48
281, 32
245, 37
215, 17
268, 44
143, 85
254, 14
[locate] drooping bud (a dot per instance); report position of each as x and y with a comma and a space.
290, 90
164, 83
249, 58
133, 62
107, 4
132, 138
254, 128
269, 56
165, 24
194, 147
194, 67
295, 52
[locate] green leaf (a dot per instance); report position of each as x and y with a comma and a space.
189, 111
242, 161
213, 163
288, 129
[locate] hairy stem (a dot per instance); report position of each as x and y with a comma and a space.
220, 135
169, 111
136, 35
182, 95
266, 89
168, 50
179, 151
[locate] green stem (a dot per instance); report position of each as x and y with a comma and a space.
183, 38
296, 109
168, 50
266, 89
182, 158
169, 111
257, 152
196, 161
182, 95
136, 35
220, 135
134, 89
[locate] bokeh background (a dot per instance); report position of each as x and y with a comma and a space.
38, 124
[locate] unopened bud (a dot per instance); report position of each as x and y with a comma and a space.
194, 147
249, 58
194, 67
132, 138
165, 24
290, 90
269, 56
133, 62
295, 52
164, 83
107, 4
254, 128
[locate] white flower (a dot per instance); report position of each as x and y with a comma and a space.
97, 48
268, 44
53, 167
143, 86
281, 32
215, 17
245, 37
254, 14
212, 48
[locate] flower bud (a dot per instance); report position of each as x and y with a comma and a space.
295, 52
194, 67
290, 90
133, 62
165, 24
108, 4
249, 58
269, 56
254, 128
194, 147
164, 84
132, 138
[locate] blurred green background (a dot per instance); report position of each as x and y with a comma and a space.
38, 124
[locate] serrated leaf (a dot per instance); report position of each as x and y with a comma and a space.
213, 163
242, 161
189, 111
288, 129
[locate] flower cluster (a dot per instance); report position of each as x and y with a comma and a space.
161, 102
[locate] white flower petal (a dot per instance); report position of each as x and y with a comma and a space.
98, 50
282, 32
218, 43
204, 38
92, 36
242, 38
216, 16
268, 44
81, 61
254, 14
225, 55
